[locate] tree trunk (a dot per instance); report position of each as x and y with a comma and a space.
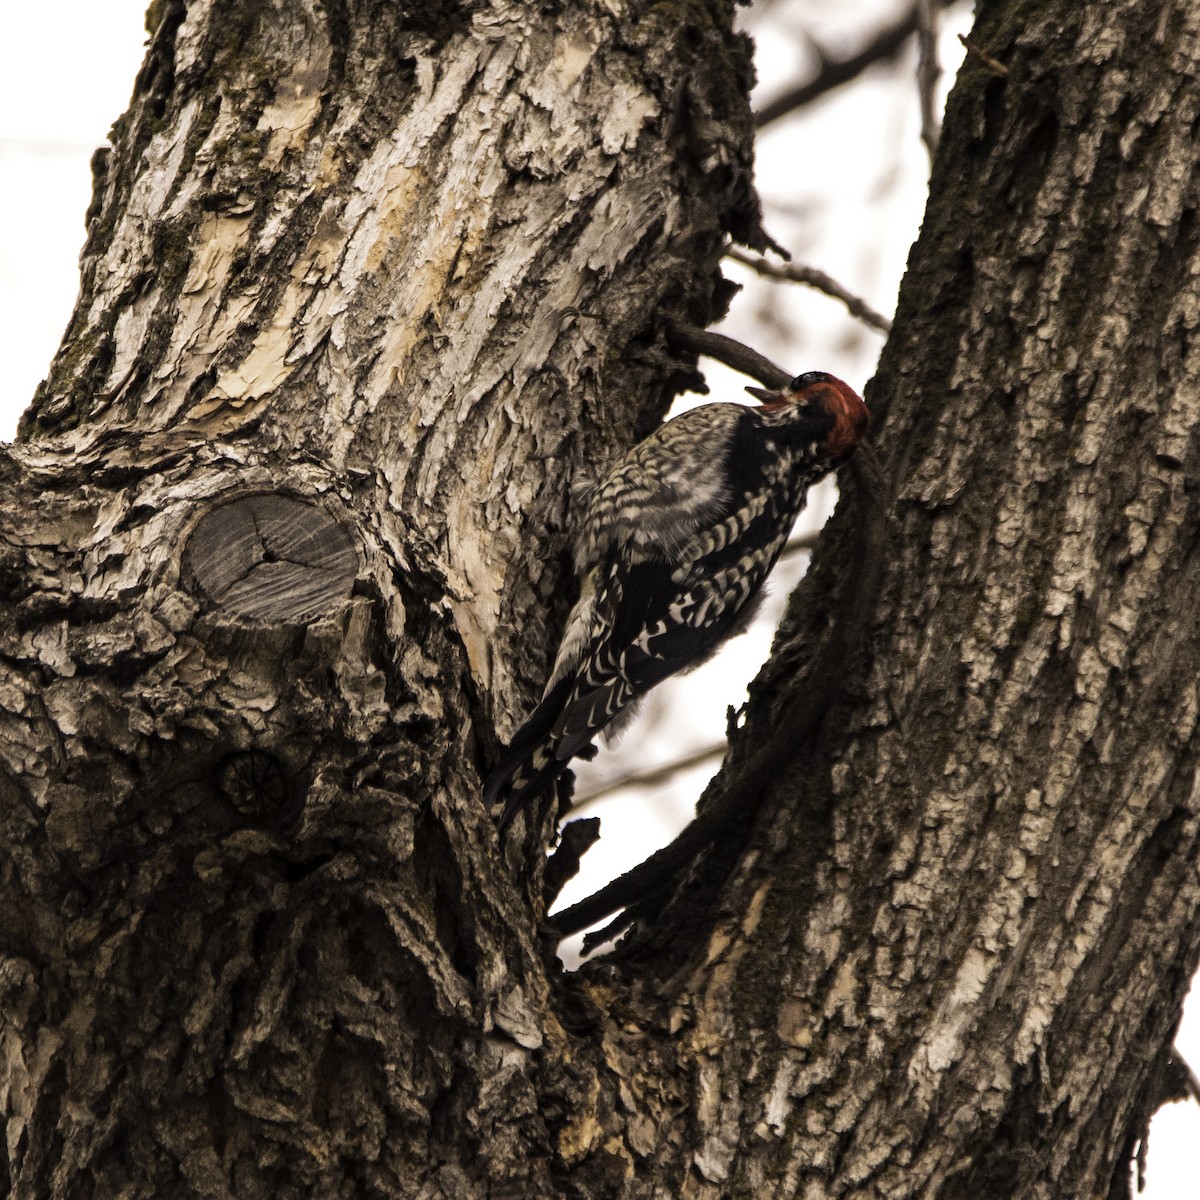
365, 289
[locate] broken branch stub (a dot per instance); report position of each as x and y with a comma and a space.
271, 558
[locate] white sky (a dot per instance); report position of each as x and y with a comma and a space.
66, 72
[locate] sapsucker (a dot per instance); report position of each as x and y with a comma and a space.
671, 552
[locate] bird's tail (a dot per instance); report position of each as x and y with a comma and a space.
561, 728
531, 762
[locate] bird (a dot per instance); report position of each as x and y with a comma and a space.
671, 551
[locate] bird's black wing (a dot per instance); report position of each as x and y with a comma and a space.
659, 618
656, 618
667, 607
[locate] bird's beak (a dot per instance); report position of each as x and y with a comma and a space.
763, 394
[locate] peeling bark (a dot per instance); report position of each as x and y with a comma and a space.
365, 288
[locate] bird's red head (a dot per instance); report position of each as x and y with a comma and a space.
851, 420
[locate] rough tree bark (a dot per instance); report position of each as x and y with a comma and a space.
366, 286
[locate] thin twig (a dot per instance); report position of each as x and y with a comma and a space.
831, 74
1190, 1082
928, 70
814, 279
805, 544
725, 349
996, 68
649, 778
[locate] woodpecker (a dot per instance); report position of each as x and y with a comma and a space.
671, 553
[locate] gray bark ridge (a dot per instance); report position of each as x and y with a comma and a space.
957, 948
361, 293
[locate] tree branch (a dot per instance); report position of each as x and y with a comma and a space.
813, 278
997, 68
928, 71
832, 74
725, 349
1191, 1085
651, 777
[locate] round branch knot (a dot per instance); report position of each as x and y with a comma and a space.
271, 558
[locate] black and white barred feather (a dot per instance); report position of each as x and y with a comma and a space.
671, 553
